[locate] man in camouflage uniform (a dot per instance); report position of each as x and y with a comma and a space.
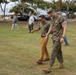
58, 28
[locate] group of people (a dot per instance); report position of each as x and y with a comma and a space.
57, 28
30, 22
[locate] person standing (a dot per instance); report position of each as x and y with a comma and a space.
44, 27
59, 26
14, 22
31, 22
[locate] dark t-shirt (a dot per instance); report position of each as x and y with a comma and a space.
44, 28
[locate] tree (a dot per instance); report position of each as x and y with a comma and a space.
34, 4
4, 2
17, 9
22, 4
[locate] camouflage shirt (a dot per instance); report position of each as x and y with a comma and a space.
57, 27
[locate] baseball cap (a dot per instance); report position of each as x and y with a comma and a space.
42, 16
50, 10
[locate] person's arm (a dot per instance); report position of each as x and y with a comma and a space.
64, 32
35, 30
50, 29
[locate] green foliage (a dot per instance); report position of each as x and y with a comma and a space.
0, 1
43, 5
16, 9
64, 6
34, 4
3, 1
72, 7
54, 6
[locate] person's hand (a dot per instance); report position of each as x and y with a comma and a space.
45, 40
32, 31
62, 40
46, 36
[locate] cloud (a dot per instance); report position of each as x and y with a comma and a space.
48, 0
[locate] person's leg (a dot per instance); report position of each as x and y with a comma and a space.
42, 52
60, 57
42, 49
12, 26
54, 54
29, 27
16, 26
46, 54
46, 51
32, 26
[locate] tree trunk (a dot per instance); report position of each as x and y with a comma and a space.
60, 5
4, 10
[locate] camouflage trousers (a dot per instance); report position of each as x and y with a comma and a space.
56, 52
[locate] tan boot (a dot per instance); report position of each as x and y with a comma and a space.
61, 66
47, 70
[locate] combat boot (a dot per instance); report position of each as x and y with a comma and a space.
61, 66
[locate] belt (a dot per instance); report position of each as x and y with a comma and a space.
43, 35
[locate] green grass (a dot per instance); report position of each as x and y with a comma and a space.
19, 51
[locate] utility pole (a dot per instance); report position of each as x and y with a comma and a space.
60, 5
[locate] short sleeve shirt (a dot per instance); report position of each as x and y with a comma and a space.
44, 28
31, 20
15, 20
57, 26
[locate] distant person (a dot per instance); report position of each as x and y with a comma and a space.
44, 27
31, 22
58, 26
14, 22
65, 41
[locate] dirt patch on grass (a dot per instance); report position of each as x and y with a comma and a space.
70, 73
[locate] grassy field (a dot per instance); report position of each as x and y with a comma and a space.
19, 51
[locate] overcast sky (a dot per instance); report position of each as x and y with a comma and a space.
49, 0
